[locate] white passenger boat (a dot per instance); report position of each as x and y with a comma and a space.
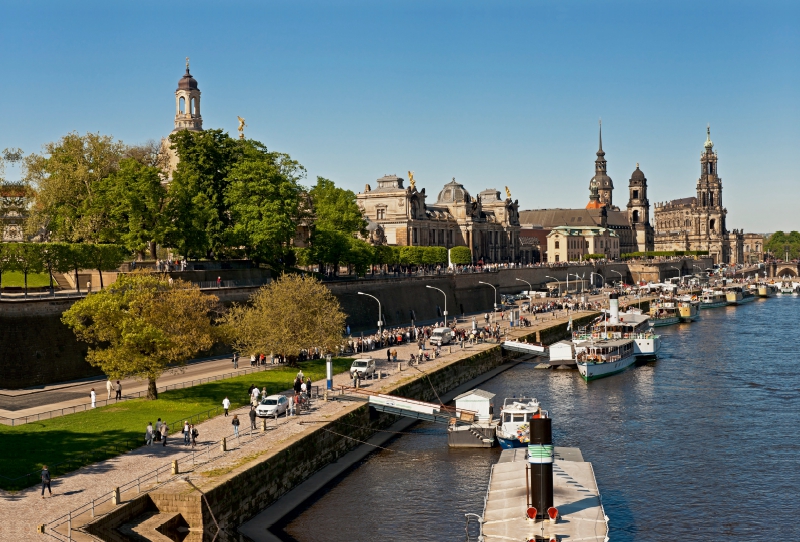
713, 298
515, 421
664, 313
738, 295
630, 325
598, 359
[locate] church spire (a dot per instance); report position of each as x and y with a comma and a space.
600, 152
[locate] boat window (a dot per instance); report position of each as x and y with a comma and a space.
508, 417
529, 417
519, 417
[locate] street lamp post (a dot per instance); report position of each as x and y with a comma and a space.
445, 303
558, 281
579, 278
530, 298
679, 272
599, 275
380, 322
493, 288
621, 278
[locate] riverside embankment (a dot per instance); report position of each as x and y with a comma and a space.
239, 484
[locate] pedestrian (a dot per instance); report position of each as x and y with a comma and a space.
118, 387
308, 387
394, 354
93, 397
195, 433
303, 387
252, 417
148, 434
164, 433
388, 355
186, 432
235, 424
252, 360
89, 287
235, 360
300, 374
109, 387
297, 385
254, 396
46, 480
219, 282
226, 404
158, 431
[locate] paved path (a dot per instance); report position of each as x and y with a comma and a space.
25, 510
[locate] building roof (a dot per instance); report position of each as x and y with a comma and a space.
453, 192
682, 201
637, 175
187, 82
479, 393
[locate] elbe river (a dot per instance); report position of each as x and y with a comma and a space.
699, 445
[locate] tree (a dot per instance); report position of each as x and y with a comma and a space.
134, 199
460, 256
198, 214
104, 258
335, 209
286, 316
264, 199
141, 324
65, 179
73, 258
26, 257
778, 242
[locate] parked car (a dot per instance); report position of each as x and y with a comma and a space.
364, 366
272, 405
441, 336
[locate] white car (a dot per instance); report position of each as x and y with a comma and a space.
364, 366
271, 405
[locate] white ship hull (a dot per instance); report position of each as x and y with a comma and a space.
593, 371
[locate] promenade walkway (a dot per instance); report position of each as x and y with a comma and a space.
23, 511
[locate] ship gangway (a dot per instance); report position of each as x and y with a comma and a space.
526, 348
419, 410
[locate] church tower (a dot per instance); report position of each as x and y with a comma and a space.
709, 193
187, 104
605, 186
639, 211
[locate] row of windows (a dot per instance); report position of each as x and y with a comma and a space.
576, 243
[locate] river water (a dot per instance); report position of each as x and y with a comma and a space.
699, 445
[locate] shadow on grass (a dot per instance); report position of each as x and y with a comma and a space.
86, 438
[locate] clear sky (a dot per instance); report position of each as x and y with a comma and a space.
492, 93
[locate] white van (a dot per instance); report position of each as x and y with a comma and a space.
364, 366
441, 336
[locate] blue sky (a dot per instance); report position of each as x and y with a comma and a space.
491, 93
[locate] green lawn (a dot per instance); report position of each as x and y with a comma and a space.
16, 278
74, 438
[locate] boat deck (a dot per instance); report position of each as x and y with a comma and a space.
575, 494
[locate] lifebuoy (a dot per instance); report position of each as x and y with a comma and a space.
626, 335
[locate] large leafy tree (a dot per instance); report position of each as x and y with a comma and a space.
264, 199
134, 199
199, 220
142, 324
779, 241
335, 209
286, 316
65, 179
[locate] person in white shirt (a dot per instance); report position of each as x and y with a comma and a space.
93, 395
109, 387
303, 387
226, 404
264, 393
254, 397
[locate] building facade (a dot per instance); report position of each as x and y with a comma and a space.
753, 247
487, 224
187, 116
569, 244
699, 222
14, 203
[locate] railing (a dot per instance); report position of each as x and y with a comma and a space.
106, 452
20, 296
55, 413
158, 477
250, 283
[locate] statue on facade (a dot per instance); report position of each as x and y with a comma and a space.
412, 183
367, 188
508, 193
241, 127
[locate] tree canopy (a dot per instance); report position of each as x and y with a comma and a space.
778, 241
288, 315
142, 324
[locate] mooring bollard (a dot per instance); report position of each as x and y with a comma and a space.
399, 365
175, 467
116, 499
92, 507
264, 424
325, 396
139, 485
224, 444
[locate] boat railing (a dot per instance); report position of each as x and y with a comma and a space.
611, 335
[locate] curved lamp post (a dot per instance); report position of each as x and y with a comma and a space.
599, 275
445, 302
579, 278
621, 278
380, 323
493, 288
558, 281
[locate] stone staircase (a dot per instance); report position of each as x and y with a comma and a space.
61, 280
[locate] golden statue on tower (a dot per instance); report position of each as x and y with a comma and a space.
241, 127
508, 193
411, 181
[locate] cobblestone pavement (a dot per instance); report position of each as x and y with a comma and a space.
23, 511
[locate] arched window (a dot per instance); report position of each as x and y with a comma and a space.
711, 200
194, 107
557, 244
635, 217
635, 194
182, 105
712, 223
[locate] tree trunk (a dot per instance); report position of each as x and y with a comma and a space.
152, 391
50, 272
100, 272
77, 282
153, 249
140, 255
25, 274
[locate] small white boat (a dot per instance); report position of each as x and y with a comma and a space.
664, 313
712, 299
515, 421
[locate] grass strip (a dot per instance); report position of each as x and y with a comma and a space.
80, 439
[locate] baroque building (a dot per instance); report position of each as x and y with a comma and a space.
14, 202
631, 227
699, 222
487, 224
187, 115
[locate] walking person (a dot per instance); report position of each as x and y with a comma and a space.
109, 387
164, 434
308, 387
195, 433
252, 417
235, 424
148, 434
186, 432
118, 387
254, 396
93, 397
226, 404
46, 481
235, 360
157, 434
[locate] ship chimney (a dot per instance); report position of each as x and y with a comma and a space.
540, 466
613, 308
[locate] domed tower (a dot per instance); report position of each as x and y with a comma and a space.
638, 205
605, 186
639, 211
187, 103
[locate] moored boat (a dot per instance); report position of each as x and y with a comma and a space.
598, 359
737, 295
712, 299
515, 420
664, 313
689, 310
767, 290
